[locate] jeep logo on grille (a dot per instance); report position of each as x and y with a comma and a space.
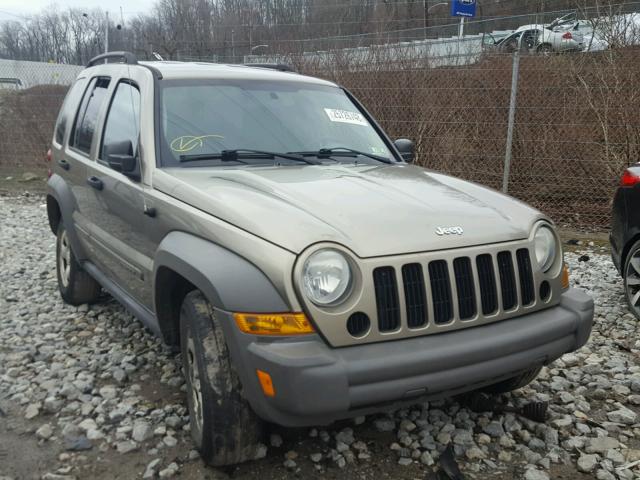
449, 231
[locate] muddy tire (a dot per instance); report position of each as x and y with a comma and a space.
514, 383
76, 286
224, 428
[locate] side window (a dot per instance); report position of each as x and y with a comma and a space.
87, 117
67, 108
123, 122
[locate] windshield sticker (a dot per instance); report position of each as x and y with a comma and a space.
345, 116
186, 143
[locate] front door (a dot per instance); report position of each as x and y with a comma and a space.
118, 222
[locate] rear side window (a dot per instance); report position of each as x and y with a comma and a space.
123, 122
68, 106
87, 117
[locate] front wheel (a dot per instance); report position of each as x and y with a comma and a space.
224, 428
632, 279
514, 383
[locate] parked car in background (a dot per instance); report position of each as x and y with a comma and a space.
625, 235
562, 35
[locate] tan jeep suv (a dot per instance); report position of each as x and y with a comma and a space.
263, 222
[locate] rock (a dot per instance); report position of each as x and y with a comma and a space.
44, 432
126, 446
275, 440
315, 457
601, 444
534, 474
587, 463
150, 471
77, 443
170, 471
141, 431
494, 429
474, 453
405, 462
32, 411
426, 459
290, 464
384, 424
170, 441
623, 415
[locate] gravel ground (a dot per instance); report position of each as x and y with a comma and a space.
87, 393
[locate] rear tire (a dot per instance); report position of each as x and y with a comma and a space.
631, 271
76, 286
514, 383
224, 428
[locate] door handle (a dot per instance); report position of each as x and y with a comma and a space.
95, 182
64, 164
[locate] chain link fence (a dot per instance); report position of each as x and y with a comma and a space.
575, 123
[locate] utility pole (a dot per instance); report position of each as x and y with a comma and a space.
106, 32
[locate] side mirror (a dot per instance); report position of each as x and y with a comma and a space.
119, 156
406, 149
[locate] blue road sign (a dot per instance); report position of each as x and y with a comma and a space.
463, 8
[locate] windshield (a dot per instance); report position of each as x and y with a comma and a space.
207, 117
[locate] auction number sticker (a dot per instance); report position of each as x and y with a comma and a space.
345, 116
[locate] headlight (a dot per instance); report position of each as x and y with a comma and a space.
326, 277
545, 245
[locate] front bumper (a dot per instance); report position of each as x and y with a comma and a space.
316, 384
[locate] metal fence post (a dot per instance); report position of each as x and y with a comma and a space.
512, 118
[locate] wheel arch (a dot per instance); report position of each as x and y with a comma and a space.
185, 262
61, 205
634, 238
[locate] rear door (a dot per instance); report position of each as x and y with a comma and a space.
75, 130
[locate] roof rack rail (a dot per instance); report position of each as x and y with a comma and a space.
127, 57
281, 67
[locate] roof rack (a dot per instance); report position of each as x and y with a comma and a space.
281, 67
127, 57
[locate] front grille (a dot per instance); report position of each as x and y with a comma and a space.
384, 280
476, 288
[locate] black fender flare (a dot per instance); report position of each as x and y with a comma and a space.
59, 190
229, 281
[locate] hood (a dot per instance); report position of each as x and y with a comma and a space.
372, 210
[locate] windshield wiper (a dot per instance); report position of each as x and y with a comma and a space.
343, 151
235, 155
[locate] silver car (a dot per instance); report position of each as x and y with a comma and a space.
263, 223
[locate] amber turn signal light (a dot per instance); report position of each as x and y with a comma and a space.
565, 276
273, 323
266, 383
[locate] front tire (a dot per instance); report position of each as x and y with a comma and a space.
632, 279
76, 286
514, 383
224, 428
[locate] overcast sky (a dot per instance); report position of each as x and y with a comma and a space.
13, 9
